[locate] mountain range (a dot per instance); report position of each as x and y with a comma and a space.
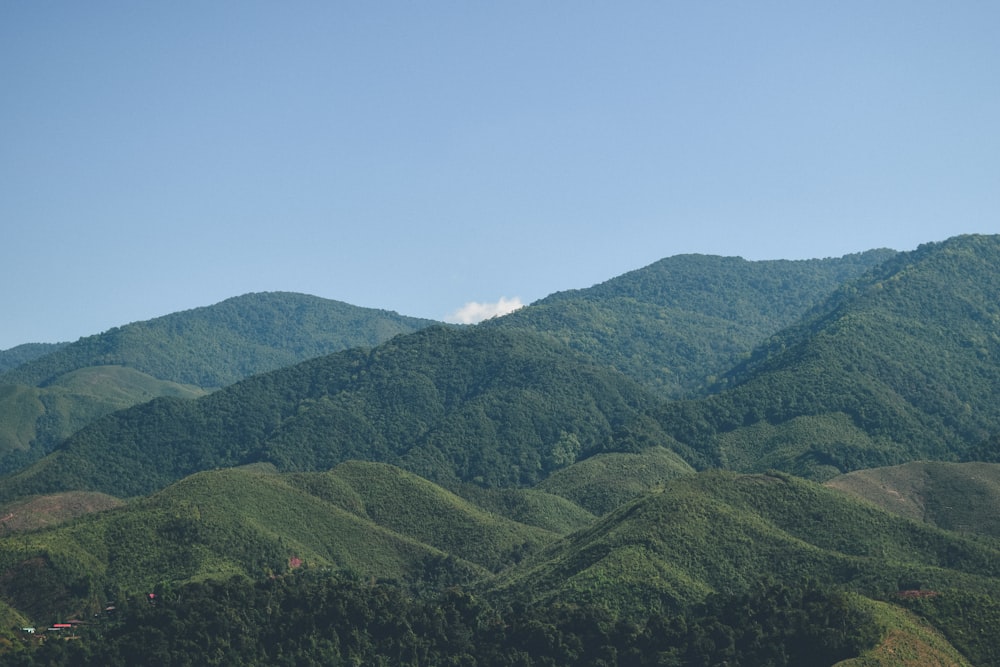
654, 447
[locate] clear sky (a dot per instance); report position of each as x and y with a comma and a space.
419, 156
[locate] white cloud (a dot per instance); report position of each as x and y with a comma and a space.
474, 311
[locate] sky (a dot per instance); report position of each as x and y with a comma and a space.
453, 160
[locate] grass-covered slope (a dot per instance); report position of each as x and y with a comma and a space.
676, 324
722, 532
963, 497
481, 405
901, 365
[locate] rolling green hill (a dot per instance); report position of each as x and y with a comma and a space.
718, 532
901, 365
479, 405
606, 481
676, 324
366, 519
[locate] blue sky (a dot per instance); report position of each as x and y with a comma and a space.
421, 156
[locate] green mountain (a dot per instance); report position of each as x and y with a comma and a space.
183, 354
33, 420
214, 346
678, 323
478, 405
22, 354
524, 492
900, 365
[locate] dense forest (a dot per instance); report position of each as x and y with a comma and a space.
706, 461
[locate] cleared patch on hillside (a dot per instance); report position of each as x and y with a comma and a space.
47, 511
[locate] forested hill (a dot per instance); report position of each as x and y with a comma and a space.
902, 364
676, 324
22, 354
482, 405
217, 345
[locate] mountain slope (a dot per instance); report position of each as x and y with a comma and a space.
217, 345
677, 323
900, 365
480, 405
963, 497
181, 354
22, 354
721, 532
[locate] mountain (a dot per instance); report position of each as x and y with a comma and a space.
214, 346
526, 491
22, 354
477, 405
900, 365
678, 323
60, 388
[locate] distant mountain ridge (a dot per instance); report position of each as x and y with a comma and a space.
901, 364
678, 323
538, 462
213, 346
22, 354
64, 387
479, 404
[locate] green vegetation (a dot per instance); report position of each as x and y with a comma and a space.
676, 324
314, 619
525, 492
214, 346
477, 405
606, 481
183, 354
33, 420
722, 532
901, 365
963, 497
22, 354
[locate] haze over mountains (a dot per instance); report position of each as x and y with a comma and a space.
636, 446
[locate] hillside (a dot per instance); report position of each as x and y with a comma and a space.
962, 497
63, 387
526, 492
371, 520
902, 364
214, 346
758, 564
479, 405
22, 354
676, 324
33, 420
721, 532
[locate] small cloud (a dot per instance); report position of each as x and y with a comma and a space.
474, 311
